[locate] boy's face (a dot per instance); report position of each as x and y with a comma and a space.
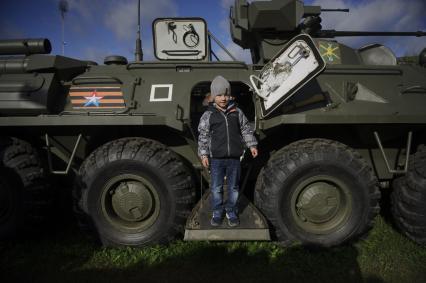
221, 100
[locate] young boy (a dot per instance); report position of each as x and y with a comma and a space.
222, 128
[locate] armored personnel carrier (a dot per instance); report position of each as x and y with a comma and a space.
335, 125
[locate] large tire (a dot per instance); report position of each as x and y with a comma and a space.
409, 199
318, 192
133, 192
24, 194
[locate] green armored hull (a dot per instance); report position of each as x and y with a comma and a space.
335, 125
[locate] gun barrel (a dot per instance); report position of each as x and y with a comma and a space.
25, 46
334, 33
335, 10
13, 65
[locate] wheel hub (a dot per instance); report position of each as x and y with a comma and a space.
132, 201
318, 202
321, 204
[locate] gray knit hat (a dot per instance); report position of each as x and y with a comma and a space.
220, 86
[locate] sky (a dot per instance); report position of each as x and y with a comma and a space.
97, 28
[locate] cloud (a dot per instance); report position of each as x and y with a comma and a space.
236, 51
121, 19
98, 53
378, 15
119, 16
122, 15
86, 10
224, 35
95, 54
83, 17
226, 3
224, 25
115, 21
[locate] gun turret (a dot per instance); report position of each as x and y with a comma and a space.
265, 26
25, 46
31, 83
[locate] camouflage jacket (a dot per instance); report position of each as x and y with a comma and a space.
223, 133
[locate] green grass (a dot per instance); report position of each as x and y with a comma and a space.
69, 256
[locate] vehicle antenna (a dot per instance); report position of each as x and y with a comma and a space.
138, 51
63, 8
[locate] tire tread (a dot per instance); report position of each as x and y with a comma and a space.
284, 162
144, 150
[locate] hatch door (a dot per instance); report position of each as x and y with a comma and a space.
294, 66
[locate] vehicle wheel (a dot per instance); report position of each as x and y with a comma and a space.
409, 199
134, 192
319, 192
24, 195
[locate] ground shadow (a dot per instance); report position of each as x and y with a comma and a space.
61, 253
64, 261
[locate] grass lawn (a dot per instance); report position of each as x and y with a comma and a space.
67, 255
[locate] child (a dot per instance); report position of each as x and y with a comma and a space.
222, 128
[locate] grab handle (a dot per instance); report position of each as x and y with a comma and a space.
254, 85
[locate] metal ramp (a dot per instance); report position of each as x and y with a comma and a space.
253, 225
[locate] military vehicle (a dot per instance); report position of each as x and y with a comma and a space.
335, 126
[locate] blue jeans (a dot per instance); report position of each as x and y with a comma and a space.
219, 168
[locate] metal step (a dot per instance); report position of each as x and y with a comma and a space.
253, 226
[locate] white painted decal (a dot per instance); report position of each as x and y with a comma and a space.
152, 96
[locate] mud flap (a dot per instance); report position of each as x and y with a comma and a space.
253, 225
294, 66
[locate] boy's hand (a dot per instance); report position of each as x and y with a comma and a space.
205, 161
254, 152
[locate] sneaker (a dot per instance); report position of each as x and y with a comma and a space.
216, 221
233, 220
